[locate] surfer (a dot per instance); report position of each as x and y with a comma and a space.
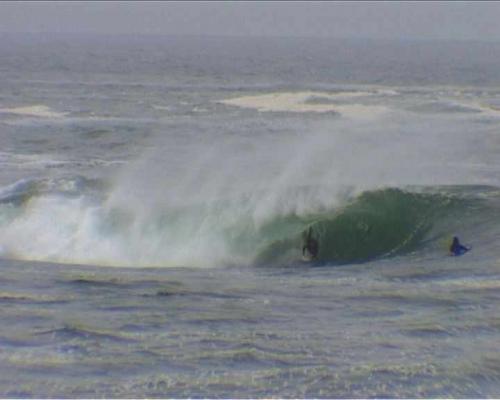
311, 245
456, 248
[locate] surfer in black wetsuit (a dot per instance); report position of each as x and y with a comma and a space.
456, 248
311, 245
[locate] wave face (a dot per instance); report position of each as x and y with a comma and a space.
379, 223
375, 224
74, 221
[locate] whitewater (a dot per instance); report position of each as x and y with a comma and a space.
155, 199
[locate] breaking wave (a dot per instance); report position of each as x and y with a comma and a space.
312, 102
75, 220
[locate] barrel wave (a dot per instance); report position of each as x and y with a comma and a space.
375, 224
77, 221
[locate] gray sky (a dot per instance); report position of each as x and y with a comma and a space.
416, 20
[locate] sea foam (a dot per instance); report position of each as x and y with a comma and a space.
38, 111
310, 102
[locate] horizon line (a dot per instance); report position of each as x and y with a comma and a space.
256, 36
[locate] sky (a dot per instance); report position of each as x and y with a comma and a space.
467, 20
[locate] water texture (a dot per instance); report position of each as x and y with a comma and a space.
156, 194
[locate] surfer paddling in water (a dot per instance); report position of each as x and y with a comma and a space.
456, 248
311, 247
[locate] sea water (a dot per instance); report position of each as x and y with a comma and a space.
155, 194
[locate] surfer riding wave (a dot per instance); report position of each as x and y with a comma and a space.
456, 248
311, 247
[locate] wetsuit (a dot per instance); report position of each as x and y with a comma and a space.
456, 248
311, 245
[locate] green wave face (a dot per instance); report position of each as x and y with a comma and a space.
86, 228
375, 224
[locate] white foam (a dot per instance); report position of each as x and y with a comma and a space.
298, 102
161, 108
16, 187
40, 161
489, 109
73, 230
478, 284
28, 160
38, 110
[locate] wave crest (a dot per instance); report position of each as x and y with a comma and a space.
75, 222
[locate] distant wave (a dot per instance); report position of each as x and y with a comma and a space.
38, 111
38, 161
313, 102
456, 106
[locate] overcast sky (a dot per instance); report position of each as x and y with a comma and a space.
415, 20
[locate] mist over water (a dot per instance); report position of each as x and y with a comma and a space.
209, 160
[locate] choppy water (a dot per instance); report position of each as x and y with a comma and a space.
155, 193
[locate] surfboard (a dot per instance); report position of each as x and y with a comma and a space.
461, 252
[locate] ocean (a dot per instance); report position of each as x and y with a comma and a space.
157, 193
